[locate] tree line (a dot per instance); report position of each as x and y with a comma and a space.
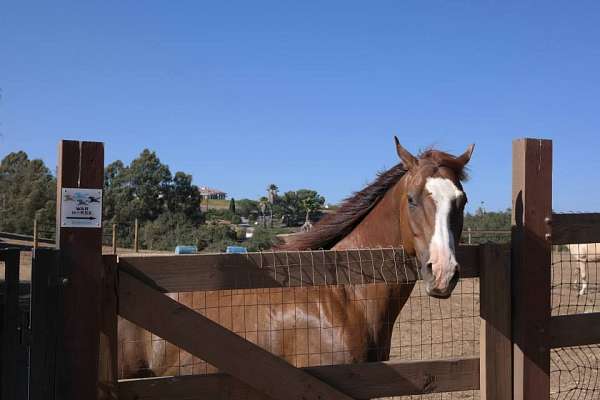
168, 206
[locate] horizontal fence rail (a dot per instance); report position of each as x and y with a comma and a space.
575, 228
360, 381
185, 273
574, 330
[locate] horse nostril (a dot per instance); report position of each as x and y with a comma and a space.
456, 275
429, 268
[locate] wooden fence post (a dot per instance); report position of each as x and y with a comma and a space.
80, 166
495, 356
531, 267
114, 238
35, 233
135, 236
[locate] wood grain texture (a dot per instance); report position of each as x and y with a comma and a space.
81, 165
219, 346
531, 271
107, 365
574, 330
185, 273
575, 228
496, 336
360, 381
44, 323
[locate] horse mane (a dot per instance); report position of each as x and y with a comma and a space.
332, 228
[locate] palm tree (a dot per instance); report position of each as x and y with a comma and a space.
263, 203
272, 190
310, 204
272, 196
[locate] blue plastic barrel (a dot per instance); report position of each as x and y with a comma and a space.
186, 250
236, 249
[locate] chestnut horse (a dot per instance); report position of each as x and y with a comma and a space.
418, 204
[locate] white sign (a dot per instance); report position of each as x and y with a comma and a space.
81, 208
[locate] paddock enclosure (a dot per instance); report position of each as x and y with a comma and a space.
514, 328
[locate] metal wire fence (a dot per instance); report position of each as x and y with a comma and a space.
335, 324
575, 277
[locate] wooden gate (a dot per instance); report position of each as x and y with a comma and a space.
516, 335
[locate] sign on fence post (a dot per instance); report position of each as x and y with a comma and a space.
531, 267
80, 178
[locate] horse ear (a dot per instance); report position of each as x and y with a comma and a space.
464, 158
408, 159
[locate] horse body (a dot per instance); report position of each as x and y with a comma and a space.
351, 323
584, 254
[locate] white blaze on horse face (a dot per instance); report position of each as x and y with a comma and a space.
441, 249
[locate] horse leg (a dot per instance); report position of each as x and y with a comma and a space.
583, 276
134, 351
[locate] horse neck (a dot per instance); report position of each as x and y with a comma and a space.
382, 227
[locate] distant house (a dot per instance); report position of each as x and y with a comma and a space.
212, 194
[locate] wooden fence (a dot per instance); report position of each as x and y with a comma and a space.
88, 292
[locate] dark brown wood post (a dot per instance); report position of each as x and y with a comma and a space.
496, 362
35, 233
114, 238
80, 166
136, 247
531, 271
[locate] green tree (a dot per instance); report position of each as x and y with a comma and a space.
297, 206
27, 191
183, 197
150, 181
246, 207
232, 205
262, 239
168, 231
215, 238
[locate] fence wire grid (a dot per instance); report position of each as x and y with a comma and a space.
575, 371
325, 325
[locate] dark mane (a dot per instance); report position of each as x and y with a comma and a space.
333, 227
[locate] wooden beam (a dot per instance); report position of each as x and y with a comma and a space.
531, 260
9, 334
217, 345
360, 381
575, 228
496, 337
45, 273
575, 330
107, 366
283, 269
80, 165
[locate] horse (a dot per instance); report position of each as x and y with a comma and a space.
584, 254
417, 204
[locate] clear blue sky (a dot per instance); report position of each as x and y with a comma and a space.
308, 94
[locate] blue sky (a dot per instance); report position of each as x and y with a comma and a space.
308, 94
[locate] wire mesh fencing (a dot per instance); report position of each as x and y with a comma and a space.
368, 306
575, 282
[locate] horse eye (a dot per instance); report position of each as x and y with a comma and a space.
411, 201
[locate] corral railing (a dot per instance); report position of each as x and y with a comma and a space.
517, 328
251, 370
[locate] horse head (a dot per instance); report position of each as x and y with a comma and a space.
431, 214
